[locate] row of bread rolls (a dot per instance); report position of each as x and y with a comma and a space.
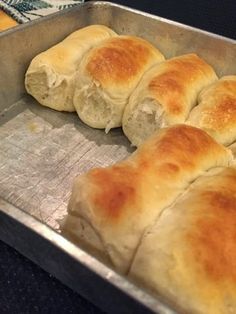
114, 81
126, 82
167, 93
92, 71
166, 217
108, 75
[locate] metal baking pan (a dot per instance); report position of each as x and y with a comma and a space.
43, 150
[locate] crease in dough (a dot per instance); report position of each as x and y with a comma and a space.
149, 113
232, 147
94, 107
210, 172
80, 231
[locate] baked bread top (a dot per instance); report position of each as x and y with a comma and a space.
189, 255
216, 112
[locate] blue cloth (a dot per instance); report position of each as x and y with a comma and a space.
26, 10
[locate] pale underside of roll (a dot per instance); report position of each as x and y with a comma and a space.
108, 75
50, 76
189, 255
216, 110
119, 202
165, 96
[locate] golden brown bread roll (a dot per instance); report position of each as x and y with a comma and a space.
165, 96
216, 112
121, 201
189, 255
50, 76
108, 74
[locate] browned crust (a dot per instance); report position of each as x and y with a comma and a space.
212, 238
171, 86
223, 114
120, 59
116, 189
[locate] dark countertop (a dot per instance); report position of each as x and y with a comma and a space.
24, 287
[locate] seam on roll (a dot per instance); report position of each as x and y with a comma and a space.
74, 238
181, 195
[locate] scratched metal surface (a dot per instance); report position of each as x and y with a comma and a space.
41, 150
40, 157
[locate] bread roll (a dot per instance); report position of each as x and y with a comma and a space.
50, 76
108, 75
189, 255
216, 112
165, 96
121, 201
